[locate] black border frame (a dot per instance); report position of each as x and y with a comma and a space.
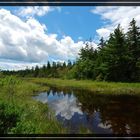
69, 3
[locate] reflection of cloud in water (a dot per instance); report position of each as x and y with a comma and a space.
65, 107
43, 97
104, 126
128, 129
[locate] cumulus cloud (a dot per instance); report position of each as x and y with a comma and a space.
31, 11
29, 41
116, 15
103, 32
21, 40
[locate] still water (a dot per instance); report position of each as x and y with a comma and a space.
101, 114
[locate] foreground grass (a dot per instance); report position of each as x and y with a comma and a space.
20, 113
98, 87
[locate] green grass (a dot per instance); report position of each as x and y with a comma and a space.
94, 86
20, 113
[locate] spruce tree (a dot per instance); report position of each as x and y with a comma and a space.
133, 42
115, 55
101, 45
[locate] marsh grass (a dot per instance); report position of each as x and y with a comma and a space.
20, 114
94, 86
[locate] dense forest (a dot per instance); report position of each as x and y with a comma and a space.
115, 59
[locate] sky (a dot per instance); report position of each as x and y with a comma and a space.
33, 35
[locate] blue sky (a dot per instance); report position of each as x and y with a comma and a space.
34, 35
73, 21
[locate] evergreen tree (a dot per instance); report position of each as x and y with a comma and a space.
48, 65
101, 45
69, 64
64, 65
87, 52
133, 42
43, 71
116, 56
54, 65
85, 66
36, 73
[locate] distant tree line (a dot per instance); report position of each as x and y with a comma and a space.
54, 69
115, 59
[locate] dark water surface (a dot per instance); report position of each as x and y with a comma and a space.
101, 114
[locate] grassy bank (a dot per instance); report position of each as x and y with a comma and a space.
20, 113
98, 87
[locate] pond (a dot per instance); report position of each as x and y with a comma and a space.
101, 114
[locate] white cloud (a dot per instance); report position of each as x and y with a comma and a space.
29, 41
34, 10
21, 40
103, 32
31, 11
16, 65
116, 15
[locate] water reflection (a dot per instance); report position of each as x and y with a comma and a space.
99, 113
62, 104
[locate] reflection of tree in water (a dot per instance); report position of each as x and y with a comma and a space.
58, 91
120, 113
90, 102
48, 92
123, 115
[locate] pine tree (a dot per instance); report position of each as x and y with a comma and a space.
36, 72
115, 56
101, 45
43, 71
69, 64
48, 65
64, 65
133, 42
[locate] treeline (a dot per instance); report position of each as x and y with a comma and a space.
115, 59
54, 69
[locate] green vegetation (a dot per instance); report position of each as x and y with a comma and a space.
20, 113
94, 86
